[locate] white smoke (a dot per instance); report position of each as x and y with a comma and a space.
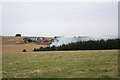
63, 40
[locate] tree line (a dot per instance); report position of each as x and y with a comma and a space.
85, 45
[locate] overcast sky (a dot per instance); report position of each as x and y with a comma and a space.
60, 18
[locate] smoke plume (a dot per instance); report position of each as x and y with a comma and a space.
63, 40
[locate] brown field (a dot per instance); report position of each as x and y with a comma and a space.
9, 45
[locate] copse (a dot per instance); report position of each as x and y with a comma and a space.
86, 45
18, 35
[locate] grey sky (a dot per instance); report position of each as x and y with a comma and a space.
60, 18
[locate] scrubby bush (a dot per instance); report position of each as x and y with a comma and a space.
24, 50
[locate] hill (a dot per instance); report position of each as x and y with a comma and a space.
16, 44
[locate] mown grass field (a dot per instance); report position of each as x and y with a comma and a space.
61, 64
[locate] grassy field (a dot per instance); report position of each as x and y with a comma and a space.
61, 64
